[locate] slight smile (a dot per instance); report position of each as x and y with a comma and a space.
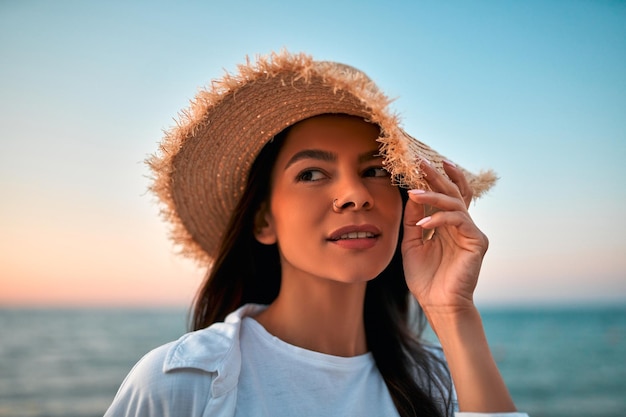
355, 237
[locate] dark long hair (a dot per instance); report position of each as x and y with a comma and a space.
246, 271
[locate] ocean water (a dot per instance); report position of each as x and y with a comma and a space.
557, 362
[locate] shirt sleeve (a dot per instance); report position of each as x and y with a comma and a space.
149, 391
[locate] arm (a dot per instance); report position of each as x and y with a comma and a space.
442, 273
479, 385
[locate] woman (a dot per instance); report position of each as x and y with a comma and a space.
289, 180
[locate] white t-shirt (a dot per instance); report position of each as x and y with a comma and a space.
278, 379
201, 373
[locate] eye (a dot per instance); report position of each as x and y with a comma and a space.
310, 175
376, 172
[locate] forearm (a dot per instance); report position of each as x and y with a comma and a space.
478, 383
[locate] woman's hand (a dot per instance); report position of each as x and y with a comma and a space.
442, 272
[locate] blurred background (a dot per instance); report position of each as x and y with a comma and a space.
535, 90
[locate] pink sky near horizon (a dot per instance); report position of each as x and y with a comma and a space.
99, 263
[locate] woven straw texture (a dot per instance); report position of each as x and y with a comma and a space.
201, 168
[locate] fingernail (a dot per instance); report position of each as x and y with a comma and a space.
449, 163
416, 191
423, 221
426, 161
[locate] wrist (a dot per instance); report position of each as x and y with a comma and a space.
450, 315
458, 327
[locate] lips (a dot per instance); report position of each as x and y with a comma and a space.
355, 232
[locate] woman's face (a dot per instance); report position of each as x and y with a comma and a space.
328, 158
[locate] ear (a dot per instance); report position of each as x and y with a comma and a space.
264, 230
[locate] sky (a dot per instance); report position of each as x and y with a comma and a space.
535, 90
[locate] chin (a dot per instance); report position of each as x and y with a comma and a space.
357, 276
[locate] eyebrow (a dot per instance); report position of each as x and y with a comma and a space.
329, 156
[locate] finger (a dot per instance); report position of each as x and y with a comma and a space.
438, 181
461, 221
438, 200
459, 179
443, 218
426, 204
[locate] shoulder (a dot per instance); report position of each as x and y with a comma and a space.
150, 389
181, 377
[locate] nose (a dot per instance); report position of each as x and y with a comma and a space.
353, 195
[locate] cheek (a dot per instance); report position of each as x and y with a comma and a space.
394, 212
293, 213
392, 204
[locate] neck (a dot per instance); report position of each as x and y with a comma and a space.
320, 315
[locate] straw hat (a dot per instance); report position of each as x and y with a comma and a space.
200, 171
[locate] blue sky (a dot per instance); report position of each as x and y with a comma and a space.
535, 90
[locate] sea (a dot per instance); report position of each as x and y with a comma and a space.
557, 361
